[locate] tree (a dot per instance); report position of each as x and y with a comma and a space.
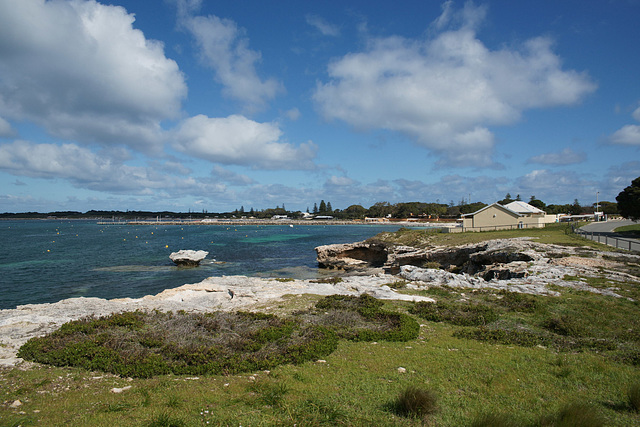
575, 209
329, 208
629, 201
355, 211
323, 207
537, 203
507, 199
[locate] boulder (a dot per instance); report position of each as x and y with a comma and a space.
188, 258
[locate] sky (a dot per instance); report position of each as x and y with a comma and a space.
201, 105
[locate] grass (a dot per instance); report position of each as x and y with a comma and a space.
537, 361
632, 231
559, 234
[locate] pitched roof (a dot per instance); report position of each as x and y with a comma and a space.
523, 208
496, 205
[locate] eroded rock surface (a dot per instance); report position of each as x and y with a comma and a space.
352, 256
188, 258
519, 265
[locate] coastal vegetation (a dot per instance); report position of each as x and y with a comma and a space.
142, 345
474, 357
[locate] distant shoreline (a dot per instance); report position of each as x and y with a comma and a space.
285, 222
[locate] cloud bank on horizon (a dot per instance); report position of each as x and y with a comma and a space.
188, 104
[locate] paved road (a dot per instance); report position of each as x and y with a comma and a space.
603, 233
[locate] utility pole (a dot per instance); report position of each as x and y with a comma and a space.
597, 208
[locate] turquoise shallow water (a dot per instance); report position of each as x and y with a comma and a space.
46, 261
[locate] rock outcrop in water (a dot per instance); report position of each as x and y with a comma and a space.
188, 258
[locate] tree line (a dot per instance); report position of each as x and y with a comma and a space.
628, 206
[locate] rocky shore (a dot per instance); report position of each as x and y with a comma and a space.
517, 265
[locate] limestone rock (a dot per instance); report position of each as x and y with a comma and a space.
188, 258
352, 256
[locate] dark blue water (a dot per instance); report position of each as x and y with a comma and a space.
46, 261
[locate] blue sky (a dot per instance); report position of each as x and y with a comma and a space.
190, 105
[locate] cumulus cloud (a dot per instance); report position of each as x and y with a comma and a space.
225, 175
564, 157
340, 181
562, 186
627, 135
447, 90
237, 140
5, 128
89, 170
80, 70
325, 28
225, 49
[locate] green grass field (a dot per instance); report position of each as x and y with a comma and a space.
577, 363
629, 230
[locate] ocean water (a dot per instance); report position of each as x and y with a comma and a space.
47, 261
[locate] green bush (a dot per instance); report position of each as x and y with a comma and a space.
495, 420
519, 337
167, 343
143, 345
461, 314
633, 397
572, 415
363, 319
514, 301
416, 402
566, 325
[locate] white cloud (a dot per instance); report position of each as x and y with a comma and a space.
224, 48
293, 114
222, 174
564, 157
85, 169
236, 140
80, 70
636, 114
627, 135
340, 181
446, 91
325, 28
556, 187
5, 129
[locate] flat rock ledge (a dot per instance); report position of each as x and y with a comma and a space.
188, 258
232, 293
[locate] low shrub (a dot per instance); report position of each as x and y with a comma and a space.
183, 344
633, 397
495, 420
461, 314
416, 402
269, 393
514, 301
363, 319
165, 420
574, 414
143, 345
566, 325
521, 337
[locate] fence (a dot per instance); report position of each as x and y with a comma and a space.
609, 239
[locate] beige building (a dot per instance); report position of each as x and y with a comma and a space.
498, 217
